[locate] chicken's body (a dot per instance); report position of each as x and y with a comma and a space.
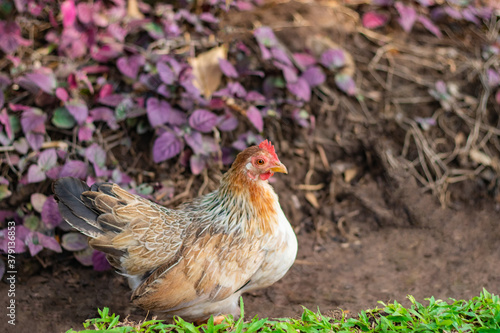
194, 261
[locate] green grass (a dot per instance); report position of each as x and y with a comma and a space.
480, 314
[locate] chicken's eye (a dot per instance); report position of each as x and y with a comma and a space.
260, 162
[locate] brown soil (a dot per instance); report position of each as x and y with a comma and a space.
375, 235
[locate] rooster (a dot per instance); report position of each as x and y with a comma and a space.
194, 261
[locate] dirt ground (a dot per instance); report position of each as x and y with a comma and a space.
367, 231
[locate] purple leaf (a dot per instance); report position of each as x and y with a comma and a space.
86, 132
62, 94
239, 145
96, 155
408, 16
48, 242
227, 68
35, 140
265, 36
289, 72
33, 245
54, 172
47, 159
266, 54
254, 96
203, 120
469, 15
166, 73
72, 168
164, 91
373, 20
166, 146
280, 55
129, 66
300, 89
453, 12
195, 141
227, 155
197, 164
236, 89
177, 118
493, 77
44, 78
255, 117
19, 243
78, 109
484, 12
11, 37
314, 76
99, 261
5, 121
50, 213
112, 100
117, 31
228, 122
106, 90
5, 81
304, 60
84, 12
74, 241
429, 25
68, 11
18, 107
35, 174
209, 18
333, 58
33, 120
158, 111
345, 83
21, 146
105, 114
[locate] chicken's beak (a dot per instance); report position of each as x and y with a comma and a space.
279, 168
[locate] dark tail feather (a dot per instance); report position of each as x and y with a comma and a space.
68, 193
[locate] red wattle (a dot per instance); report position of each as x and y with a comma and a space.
266, 176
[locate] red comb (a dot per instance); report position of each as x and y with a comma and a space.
269, 147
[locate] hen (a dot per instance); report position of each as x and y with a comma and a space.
196, 260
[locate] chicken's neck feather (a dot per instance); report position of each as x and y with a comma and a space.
243, 204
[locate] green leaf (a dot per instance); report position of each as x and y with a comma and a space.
63, 119
31, 222
4, 191
15, 124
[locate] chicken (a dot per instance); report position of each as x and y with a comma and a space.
194, 261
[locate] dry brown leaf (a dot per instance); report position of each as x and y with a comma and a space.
133, 10
312, 199
350, 174
206, 70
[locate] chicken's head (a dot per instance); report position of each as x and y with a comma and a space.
260, 162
